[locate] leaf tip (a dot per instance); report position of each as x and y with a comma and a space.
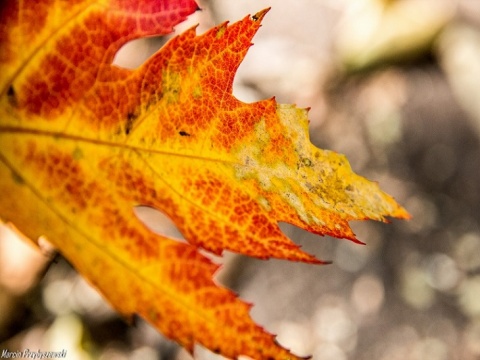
357, 241
291, 356
325, 262
258, 17
402, 213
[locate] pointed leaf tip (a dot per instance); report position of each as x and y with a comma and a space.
258, 17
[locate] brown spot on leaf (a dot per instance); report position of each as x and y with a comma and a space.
12, 97
131, 117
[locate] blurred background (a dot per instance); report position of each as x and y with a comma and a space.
393, 85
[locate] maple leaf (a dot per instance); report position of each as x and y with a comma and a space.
84, 142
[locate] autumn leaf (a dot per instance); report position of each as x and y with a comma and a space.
83, 142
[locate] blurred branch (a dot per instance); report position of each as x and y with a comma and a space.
22, 265
375, 33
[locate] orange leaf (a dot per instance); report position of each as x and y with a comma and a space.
84, 142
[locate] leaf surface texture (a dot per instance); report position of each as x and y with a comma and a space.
83, 142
